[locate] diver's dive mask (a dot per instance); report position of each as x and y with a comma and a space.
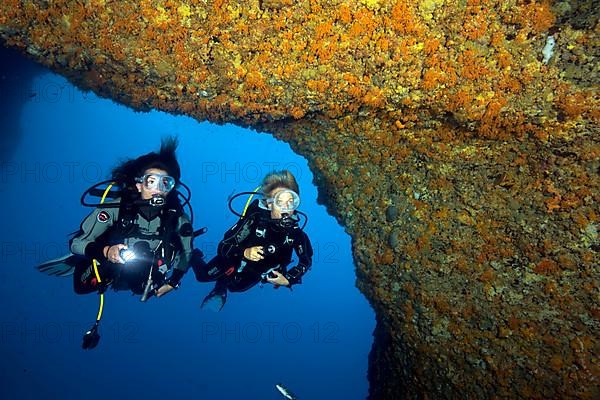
162, 183
285, 201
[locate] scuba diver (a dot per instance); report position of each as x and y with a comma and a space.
140, 241
258, 248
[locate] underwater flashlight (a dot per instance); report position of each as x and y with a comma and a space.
126, 255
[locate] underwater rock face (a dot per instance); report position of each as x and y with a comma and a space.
465, 167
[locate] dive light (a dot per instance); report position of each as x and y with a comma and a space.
127, 255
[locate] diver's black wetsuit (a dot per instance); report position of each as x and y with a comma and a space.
237, 274
145, 235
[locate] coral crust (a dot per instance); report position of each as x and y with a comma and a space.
466, 169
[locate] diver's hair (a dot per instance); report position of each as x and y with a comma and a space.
126, 172
279, 179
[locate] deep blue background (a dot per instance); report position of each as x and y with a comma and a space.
56, 142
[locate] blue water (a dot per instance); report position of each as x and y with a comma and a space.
314, 339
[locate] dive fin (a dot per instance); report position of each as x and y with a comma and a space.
214, 301
285, 392
62, 266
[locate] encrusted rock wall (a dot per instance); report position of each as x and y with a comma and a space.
458, 148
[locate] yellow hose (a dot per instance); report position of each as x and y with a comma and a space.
106, 193
101, 306
95, 264
249, 200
